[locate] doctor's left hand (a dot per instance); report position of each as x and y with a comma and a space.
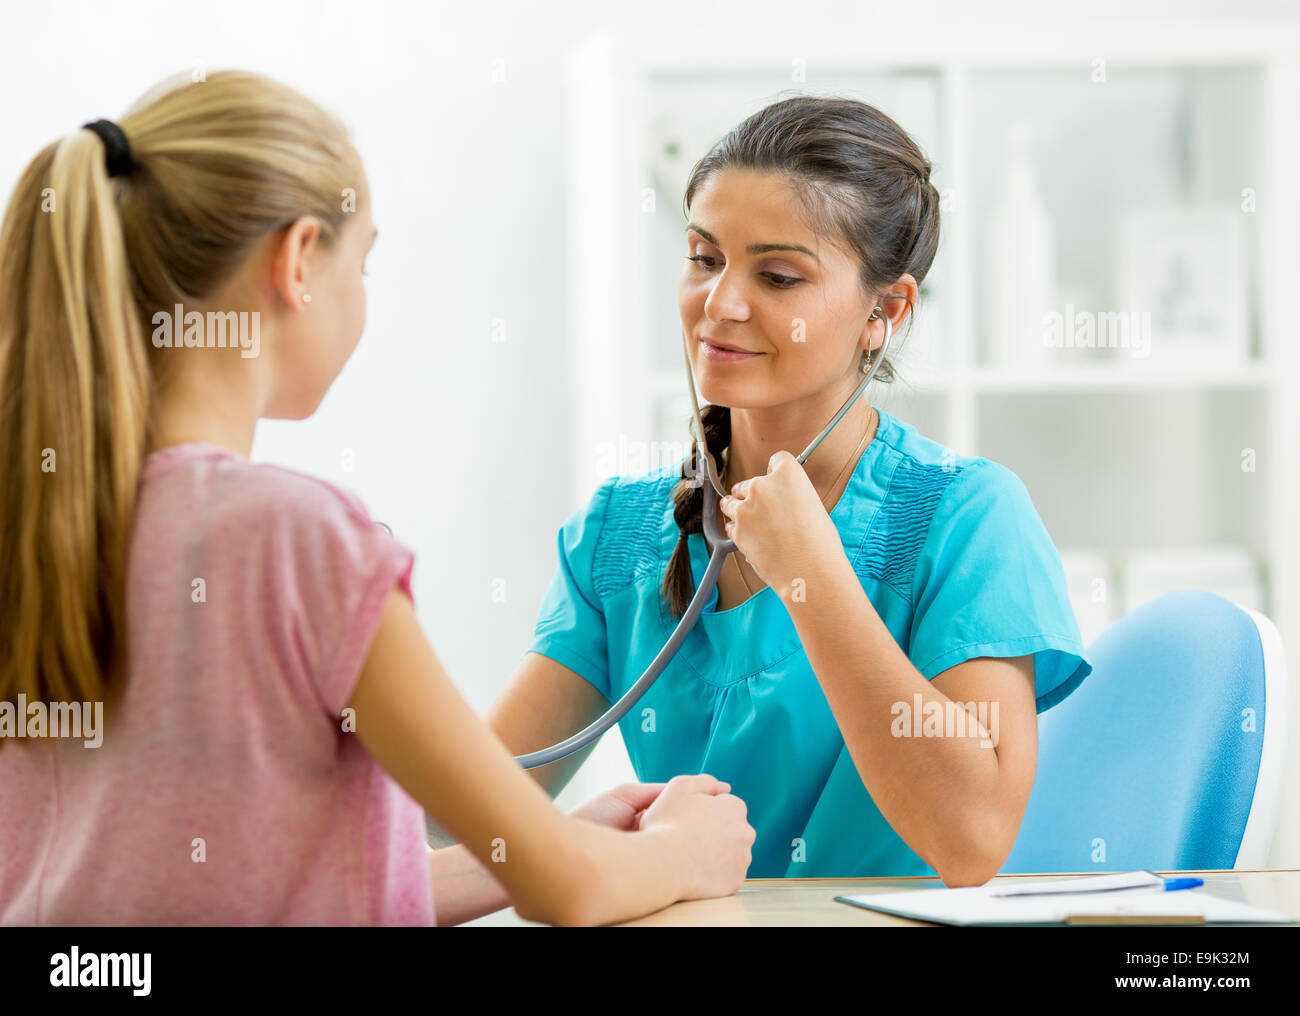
621, 807
779, 523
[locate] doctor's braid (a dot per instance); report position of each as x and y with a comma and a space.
861, 181
689, 511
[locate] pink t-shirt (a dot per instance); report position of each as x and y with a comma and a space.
226, 790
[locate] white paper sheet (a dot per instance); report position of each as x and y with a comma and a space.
1144, 898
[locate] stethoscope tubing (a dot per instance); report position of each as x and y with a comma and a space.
722, 546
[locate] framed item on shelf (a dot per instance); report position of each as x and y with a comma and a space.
1181, 286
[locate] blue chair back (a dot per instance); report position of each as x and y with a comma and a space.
1153, 762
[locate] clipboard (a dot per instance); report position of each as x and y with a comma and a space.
1116, 899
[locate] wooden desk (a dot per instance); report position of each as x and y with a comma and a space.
811, 901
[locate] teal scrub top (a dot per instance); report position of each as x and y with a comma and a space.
950, 551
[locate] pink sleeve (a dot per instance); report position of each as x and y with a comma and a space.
344, 566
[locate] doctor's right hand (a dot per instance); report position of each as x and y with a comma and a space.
709, 835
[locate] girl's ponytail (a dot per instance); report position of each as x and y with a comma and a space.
86, 262
75, 381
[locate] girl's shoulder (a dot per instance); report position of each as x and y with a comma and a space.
223, 484
288, 566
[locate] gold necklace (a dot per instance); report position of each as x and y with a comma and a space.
853, 455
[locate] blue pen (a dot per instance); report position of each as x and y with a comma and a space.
1169, 885
1182, 883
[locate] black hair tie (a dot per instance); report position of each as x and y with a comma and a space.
117, 151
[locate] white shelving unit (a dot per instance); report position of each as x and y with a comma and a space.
1120, 454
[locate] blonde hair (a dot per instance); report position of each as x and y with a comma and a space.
218, 165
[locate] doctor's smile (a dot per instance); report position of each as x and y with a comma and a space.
725, 353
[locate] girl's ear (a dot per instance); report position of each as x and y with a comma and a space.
290, 262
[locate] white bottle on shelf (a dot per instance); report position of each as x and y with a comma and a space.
1019, 279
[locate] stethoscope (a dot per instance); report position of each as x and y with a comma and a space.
722, 546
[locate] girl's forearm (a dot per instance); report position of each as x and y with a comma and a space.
629, 874
587, 874
632, 873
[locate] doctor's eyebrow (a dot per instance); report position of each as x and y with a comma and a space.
754, 248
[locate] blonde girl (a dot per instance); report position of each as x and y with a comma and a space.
274, 720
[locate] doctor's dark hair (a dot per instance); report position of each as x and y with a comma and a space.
215, 167
863, 183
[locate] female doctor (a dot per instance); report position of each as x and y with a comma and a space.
868, 673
